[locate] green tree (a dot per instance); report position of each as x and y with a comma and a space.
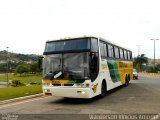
150, 69
157, 68
23, 68
140, 60
3, 67
34, 68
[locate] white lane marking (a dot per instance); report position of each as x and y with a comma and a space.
20, 102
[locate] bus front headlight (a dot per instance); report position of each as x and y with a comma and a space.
46, 90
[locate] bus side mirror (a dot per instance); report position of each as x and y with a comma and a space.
40, 60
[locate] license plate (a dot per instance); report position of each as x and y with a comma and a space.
55, 82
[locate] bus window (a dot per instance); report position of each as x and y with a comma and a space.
116, 51
94, 45
125, 54
130, 55
69, 45
106, 50
103, 49
121, 53
94, 65
110, 50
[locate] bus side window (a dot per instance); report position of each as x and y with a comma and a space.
94, 45
125, 55
107, 50
130, 55
110, 51
103, 50
121, 53
116, 51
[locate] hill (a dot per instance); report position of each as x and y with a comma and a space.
17, 57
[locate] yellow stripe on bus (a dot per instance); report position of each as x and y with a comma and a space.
56, 81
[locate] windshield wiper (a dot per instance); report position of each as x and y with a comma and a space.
57, 75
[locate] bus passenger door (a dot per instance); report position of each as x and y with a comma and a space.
93, 65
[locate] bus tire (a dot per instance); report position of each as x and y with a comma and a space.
126, 81
129, 78
103, 89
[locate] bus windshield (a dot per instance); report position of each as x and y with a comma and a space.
66, 66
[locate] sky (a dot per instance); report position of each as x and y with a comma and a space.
25, 25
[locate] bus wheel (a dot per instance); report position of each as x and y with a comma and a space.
127, 80
103, 89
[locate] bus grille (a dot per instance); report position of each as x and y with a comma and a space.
62, 84
68, 84
56, 84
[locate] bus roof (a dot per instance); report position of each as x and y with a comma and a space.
68, 38
111, 42
86, 36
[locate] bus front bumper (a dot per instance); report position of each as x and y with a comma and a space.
71, 92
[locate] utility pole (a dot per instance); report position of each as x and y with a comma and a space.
154, 52
7, 66
138, 48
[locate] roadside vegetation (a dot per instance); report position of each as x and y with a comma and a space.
14, 92
24, 75
24, 78
22, 85
142, 65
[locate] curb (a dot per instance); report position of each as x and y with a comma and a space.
20, 98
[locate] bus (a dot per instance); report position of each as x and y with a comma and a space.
85, 67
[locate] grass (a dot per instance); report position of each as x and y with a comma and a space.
14, 92
22, 78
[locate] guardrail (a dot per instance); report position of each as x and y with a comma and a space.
150, 74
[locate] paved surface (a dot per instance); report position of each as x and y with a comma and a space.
141, 96
3, 84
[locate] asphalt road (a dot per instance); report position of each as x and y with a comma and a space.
142, 96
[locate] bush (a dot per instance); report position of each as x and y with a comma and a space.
17, 83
